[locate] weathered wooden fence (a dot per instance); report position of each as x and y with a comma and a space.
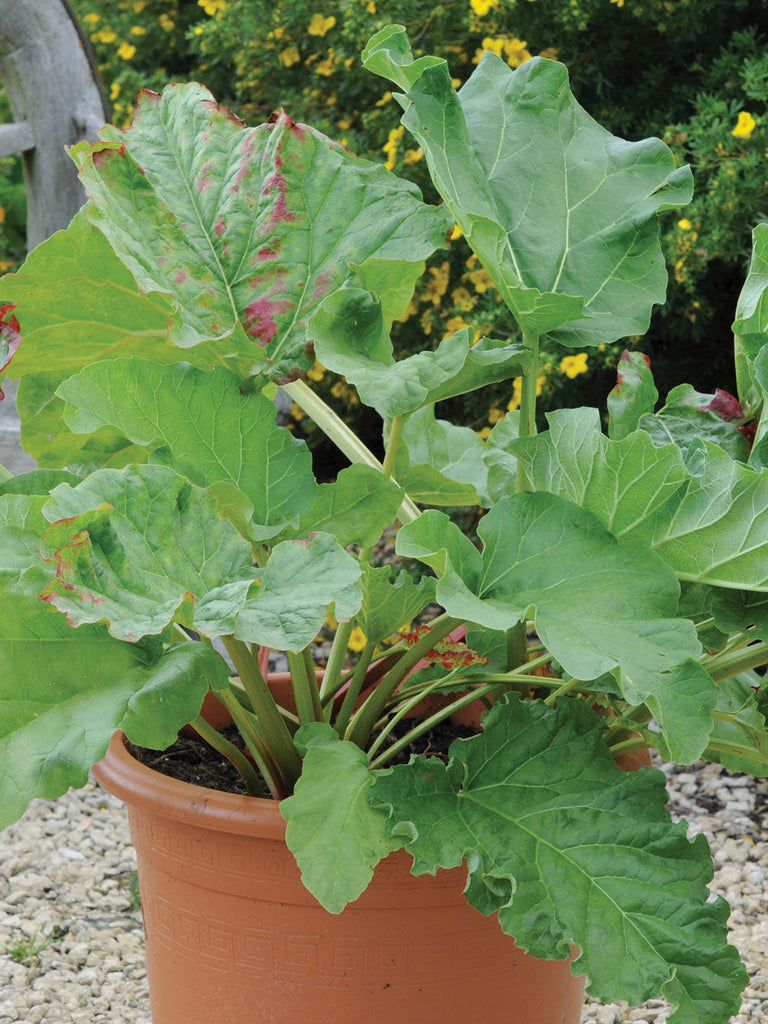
53, 86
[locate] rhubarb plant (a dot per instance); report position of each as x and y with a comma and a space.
613, 598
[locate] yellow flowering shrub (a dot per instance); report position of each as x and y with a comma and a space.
256, 56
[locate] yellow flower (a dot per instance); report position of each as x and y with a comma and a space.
438, 286
166, 24
456, 233
462, 299
493, 45
515, 52
517, 392
297, 412
212, 7
384, 99
485, 432
104, 35
481, 279
371, 7
412, 156
390, 146
138, 6
619, 3
684, 224
289, 56
114, 91
317, 372
456, 323
91, 19
481, 7
357, 639
326, 67
320, 25
744, 126
495, 415
126, 51
138, 30
572, 366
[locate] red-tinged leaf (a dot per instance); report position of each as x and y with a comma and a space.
633, 396
10, 337
245, 228
749, 430
449, 652
725, 406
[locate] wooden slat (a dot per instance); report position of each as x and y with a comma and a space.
16, 138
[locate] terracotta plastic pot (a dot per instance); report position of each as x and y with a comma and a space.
233, 937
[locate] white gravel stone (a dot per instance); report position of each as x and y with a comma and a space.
67, 866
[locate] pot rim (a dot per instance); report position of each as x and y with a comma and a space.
140, 786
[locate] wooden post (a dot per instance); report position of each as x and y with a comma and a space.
57, 100
54, 90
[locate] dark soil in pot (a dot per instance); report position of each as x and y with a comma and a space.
191, 760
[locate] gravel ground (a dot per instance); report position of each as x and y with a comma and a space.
66, 872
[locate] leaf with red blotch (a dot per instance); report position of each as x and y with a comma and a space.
10, 338
634, 394
245, 228
689, 417
448, 652
725, 406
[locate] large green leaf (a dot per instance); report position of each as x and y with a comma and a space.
355, 508
207, 429
140, 547
561, 213
335, 835
391, 603
623, 482
441, 463
547, 559
738, 610
48, 439
21, 526
301, 580
64, 691
498, 457
245, 226
739, 740
750, 328
717, 531
37, 481
688, 418
77, 303
708, 521
758, 457
352, 338
572, 852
